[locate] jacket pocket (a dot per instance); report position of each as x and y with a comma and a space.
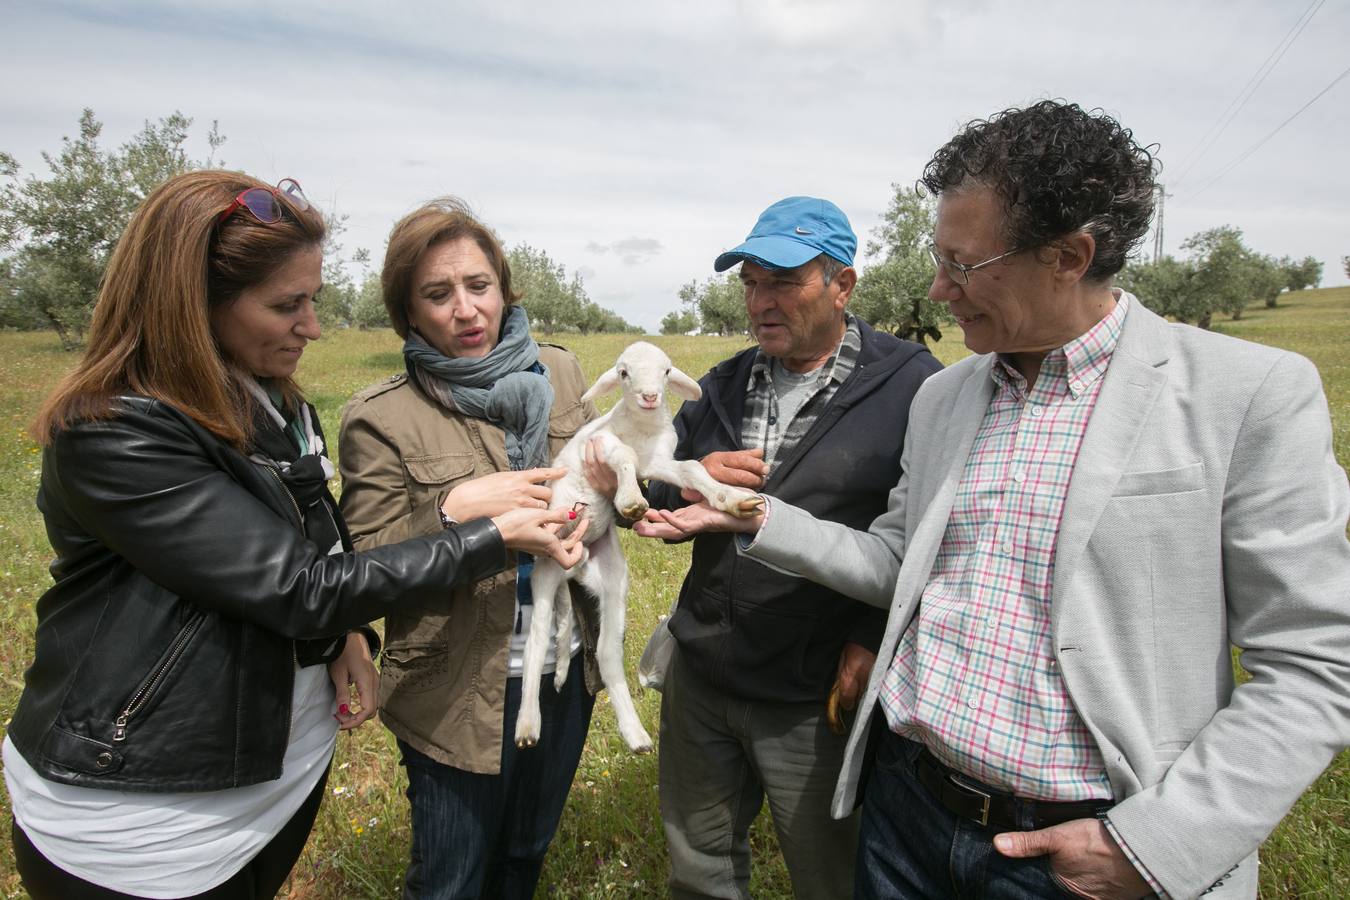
1164, 481
150, 686
409, 668
566, 421
440, 468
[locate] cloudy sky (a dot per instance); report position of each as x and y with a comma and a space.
635, 141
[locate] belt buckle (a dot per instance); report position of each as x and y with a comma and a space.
956, 779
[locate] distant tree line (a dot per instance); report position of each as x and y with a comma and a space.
57, 232
1217, 273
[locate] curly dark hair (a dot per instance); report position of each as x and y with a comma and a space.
1058, 169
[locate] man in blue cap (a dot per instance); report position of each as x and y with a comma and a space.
815, 414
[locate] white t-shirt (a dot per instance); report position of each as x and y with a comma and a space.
175, 844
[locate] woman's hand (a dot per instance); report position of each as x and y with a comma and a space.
354, 666
535, 531
603, 479
492, 495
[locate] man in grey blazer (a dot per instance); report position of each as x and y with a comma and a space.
1093, 509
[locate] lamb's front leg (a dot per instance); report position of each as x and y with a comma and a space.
690, 474
628, 499
544, 583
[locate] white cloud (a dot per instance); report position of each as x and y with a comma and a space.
594, 125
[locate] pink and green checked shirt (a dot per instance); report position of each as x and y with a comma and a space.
974, 677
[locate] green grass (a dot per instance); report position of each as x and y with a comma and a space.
610, 842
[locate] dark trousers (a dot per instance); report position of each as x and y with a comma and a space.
911, 846
260, 879
477, 835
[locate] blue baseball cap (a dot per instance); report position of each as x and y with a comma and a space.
792, 232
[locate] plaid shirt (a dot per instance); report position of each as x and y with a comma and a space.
974, 677
761, 426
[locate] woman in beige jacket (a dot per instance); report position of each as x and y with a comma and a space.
465, 433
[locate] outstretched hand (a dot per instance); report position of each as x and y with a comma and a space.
535, 531
495, 493
698, 518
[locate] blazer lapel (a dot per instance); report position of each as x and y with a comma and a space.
934, 478
1130, 388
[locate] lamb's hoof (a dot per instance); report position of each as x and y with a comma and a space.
526, 743
749, 507
643, 749
634, 511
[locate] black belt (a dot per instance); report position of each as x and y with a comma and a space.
975, 801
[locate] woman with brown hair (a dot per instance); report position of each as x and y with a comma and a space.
481, 403
193, 657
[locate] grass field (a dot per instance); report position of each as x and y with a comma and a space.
610, 842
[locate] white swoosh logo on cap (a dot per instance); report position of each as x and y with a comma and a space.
801, 230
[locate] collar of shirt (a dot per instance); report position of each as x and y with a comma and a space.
1075, 367
839, 366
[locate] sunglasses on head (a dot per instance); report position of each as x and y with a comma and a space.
265, 203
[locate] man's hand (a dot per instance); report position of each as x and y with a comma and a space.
1083, 856
603, 479
687, 521
855, 667
738, 468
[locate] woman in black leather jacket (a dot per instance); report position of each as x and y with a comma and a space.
176, 724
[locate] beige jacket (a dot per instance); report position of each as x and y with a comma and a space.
443, 677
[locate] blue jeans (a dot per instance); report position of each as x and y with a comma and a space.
479, 835
911, 846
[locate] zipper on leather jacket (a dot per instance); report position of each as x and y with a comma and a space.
148, 687
295, 505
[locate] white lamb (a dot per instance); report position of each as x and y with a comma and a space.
638, 442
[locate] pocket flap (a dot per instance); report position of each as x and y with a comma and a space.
1164, 481
440, 468
567, 421
79, 753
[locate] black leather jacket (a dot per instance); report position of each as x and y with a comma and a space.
186, 591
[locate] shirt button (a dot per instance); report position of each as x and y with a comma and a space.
1019, 476
1008, 547
990, 623
1037, 410
1076, 385
973, 702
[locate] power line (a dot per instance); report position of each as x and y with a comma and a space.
1252, 149
1237, 104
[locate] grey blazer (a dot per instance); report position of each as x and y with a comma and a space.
1206, 508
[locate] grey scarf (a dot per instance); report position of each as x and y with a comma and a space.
509, 387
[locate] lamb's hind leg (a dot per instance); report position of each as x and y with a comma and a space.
562, 648
607, 578
544, 583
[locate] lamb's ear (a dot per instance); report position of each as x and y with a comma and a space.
683, 385
609, 381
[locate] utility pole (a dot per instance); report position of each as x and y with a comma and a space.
1158, 223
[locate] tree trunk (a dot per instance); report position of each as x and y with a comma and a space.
1203, 321
1270, 301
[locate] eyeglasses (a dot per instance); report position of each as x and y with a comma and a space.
959, 272
265, 203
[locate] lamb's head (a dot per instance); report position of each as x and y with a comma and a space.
643, 371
